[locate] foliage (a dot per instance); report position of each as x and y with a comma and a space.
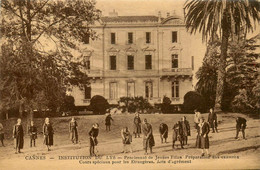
241, 74
99, 104
38, 40
133, 104
165, 107
224, 19
193, 100
68, 104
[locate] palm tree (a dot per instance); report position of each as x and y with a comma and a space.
224, 18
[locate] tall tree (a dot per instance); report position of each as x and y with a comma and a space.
33, 73
224, 18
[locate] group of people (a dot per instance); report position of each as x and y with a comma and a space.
181, 131
18, 135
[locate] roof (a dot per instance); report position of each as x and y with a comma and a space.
130, 19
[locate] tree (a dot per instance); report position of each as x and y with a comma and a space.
241, 73
207, 73
34, 75
224, 18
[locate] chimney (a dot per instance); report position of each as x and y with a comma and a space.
168, 14
159, 16
113, 13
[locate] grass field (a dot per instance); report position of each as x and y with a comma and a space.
222, 143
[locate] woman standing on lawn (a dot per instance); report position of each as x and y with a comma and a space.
137, 125
48, 133
108, 121
148, 139
18, 136
93, 134
73, 129
197, 117
202, 141
33, 133
177, 134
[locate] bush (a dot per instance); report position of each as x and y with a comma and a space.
165, 107
98, 104
193, 100
133, 104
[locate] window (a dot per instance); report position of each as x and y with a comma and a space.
86, 39
174, 60
113, 38
88, 91
130, 62
148, 62
87, 62
112, 62
148, 89
130, 38
113, 90
130, 89
148, 37
174, 37
175, 89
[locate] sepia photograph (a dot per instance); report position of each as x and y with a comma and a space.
129, 84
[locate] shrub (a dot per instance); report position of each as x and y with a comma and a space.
133, 104
165, 107
193, 100
99, 104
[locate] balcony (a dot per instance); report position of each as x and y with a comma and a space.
130, 73
176, 72
94, 73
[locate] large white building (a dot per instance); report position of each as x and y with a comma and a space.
145, 56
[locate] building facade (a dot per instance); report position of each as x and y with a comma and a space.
145, 56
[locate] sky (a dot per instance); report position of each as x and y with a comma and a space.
152, 7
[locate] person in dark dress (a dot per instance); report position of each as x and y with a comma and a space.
163, 130
73, 129
212, 119
2, 137
137, 125
93, 134
202, 141
197, 117
185, 130
126, 139
148, 139
33, 133
177, 134
48, 133
18, 136
240, 125
108, 121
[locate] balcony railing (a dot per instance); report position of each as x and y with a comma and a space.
139, 73
176, 71
94, 73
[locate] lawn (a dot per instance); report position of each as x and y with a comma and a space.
221, 144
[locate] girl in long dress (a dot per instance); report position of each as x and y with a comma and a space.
48, 133
18, 136
73, 128
202, 141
